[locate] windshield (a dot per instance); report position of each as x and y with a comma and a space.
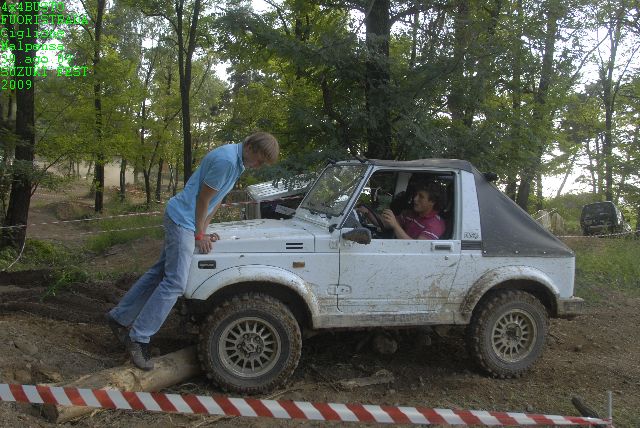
596, 209
332, 191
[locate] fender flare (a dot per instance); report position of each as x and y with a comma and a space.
500, 275
257, 273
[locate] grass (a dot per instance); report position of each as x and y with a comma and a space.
37, 255
65, 265
122, 230
603, 264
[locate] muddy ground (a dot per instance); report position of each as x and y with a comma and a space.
56, 339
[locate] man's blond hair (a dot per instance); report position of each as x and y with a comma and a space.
264, 144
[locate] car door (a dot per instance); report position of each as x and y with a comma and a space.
396, 275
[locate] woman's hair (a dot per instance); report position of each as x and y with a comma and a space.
264, 144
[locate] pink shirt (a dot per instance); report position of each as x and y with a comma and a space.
430, 226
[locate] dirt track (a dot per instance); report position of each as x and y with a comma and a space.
59, 338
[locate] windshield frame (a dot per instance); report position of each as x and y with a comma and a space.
325, 218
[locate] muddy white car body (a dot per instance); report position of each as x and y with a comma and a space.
495, 270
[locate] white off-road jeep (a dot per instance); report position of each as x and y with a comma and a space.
495, 269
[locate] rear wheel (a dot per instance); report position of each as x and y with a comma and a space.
250, 344
507, 333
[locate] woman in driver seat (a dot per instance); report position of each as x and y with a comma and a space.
421, 222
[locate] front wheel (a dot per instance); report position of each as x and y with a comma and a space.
507, 333
250, 344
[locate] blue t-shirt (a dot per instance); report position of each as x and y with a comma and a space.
219, 169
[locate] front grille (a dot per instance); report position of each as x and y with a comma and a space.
294, 245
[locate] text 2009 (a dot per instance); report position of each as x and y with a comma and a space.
12, 85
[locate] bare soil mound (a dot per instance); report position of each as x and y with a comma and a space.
29, 292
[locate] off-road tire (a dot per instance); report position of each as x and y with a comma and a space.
525, 320
269, 330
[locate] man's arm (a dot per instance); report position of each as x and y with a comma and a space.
202, 206
392, 222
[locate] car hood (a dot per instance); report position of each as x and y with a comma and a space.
262, 236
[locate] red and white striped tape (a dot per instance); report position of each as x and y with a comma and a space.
281, 409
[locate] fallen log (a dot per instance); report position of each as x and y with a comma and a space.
169, 370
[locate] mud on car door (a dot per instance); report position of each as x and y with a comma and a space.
396, 275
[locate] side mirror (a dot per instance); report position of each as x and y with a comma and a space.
360, 235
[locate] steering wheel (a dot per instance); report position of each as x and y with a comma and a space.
374, 214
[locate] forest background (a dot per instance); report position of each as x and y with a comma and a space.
526, 89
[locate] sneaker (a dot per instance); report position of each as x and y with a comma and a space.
139, 353
119, 331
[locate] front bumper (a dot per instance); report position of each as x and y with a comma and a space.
570, 307
598, 228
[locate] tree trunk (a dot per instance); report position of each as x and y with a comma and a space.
174, 187
512, 188
599, 165
608, 99
592, 168
377, 75
123, 181
566, 174
516, 133
159, 180
461, 20
147, 186
20, 195
97, 91
541, 113
185, 55
98, 183
171, 177
145, 171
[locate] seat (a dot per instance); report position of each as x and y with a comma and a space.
402, 201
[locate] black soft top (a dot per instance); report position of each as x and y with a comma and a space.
426, 163
508, 230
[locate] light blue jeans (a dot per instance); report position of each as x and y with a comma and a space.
148, 302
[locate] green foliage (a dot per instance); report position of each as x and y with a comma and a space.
108, 232
62, 278
7, 256
42, 254
302, 71
603, 264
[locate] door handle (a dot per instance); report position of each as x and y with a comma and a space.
442, 247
